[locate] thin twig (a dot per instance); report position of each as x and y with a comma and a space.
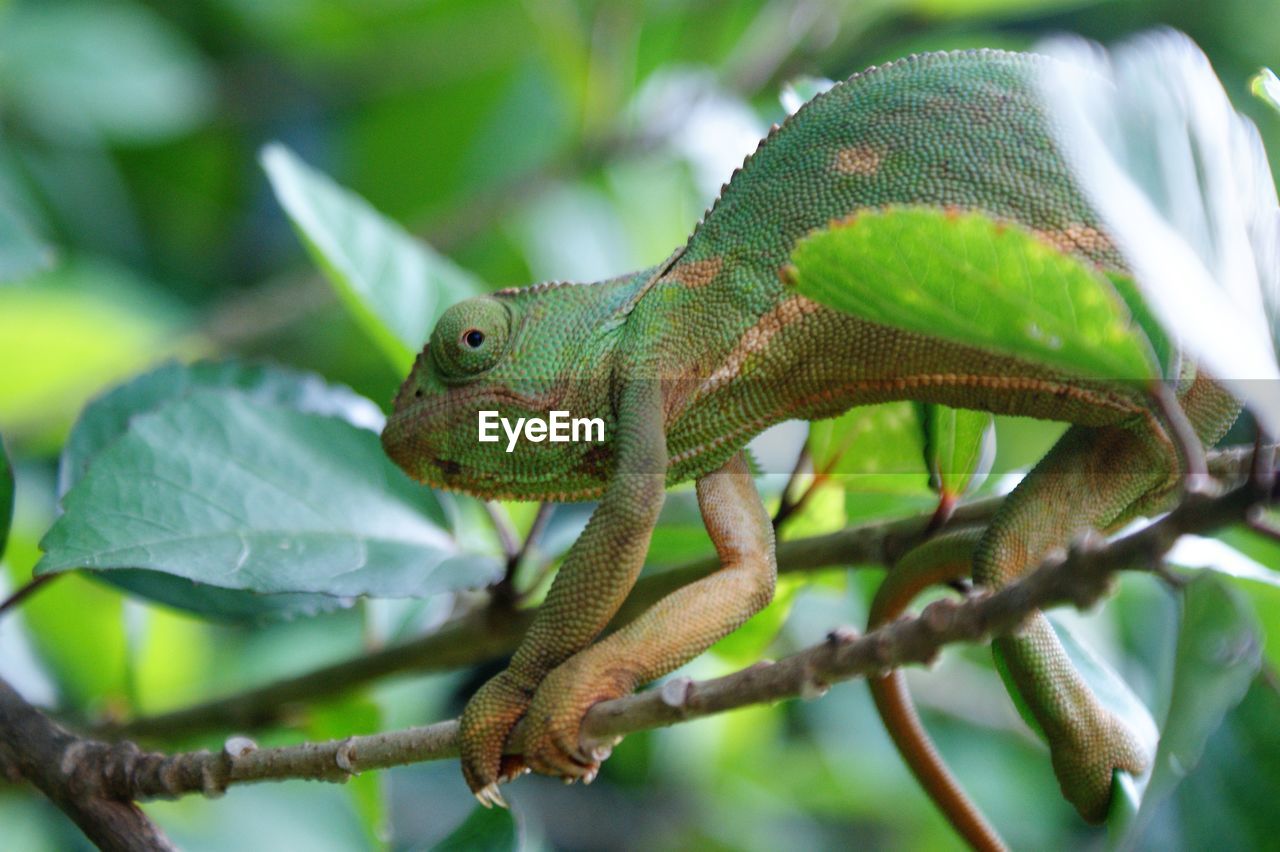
786, 504
502, 525
1183, 434
25, 591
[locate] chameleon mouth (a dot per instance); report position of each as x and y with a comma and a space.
422, 439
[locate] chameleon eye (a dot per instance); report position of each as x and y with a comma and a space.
470, 338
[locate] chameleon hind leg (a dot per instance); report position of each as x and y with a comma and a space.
1092, 479
673, 631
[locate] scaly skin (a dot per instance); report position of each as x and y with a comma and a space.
687, 361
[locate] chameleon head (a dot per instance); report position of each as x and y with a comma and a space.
505, 354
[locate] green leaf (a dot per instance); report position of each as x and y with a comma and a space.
223, 490
484, 830
1218, 655
107, 418
6, 497
89, 71
966, 278
22, 253
394, 285
959, 447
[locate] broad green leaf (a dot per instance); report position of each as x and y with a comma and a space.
1228, 802
395, 285
66, 334
223, 490
959, 447
1218, 655
107, 418
1266, 87
6, 497
484, 830
91, 71
966, 278
22, 253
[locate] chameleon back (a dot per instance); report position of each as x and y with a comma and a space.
947, 130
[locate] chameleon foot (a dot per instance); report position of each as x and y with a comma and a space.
552, 743
482, 735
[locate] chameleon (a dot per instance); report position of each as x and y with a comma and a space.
686, 361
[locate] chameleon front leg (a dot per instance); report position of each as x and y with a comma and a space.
673, 631
1092, 479
597, 574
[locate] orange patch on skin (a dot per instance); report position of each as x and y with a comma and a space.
1079, 238
698, 273
756, 339
858, 160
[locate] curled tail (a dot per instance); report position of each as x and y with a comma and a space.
944, 559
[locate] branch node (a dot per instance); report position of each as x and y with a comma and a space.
841, 636
675, 692
939, 616
215, 775
71, 757
238, 746
345, 756
811, 684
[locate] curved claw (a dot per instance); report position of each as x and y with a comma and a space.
488, 796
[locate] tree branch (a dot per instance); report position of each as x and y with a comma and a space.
489, 631
1080, 577
73, 773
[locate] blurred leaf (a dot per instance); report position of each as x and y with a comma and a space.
872, 448
395, 285
6, 497
1228, 802
22, 253
106, 419
959, 447
1266, 87
800, 90
1212, 554
994, 8
485, 830
977, 282
69, 332
117, 71
222, 490
1217, 658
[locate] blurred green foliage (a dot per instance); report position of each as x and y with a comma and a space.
525, 140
